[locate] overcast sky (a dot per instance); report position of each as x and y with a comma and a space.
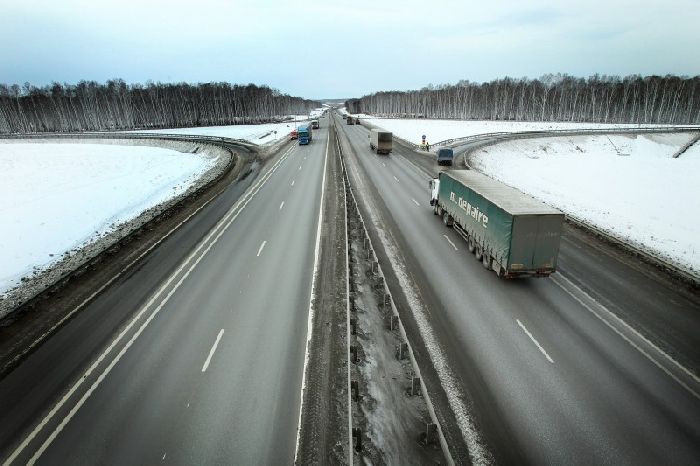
322, 49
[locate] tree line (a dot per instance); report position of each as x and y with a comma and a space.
116, 105
601, 99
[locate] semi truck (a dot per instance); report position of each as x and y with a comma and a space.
314, 124
508, 231
380, 141
350, 120
305, 134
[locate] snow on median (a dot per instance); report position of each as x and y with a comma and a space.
59, 198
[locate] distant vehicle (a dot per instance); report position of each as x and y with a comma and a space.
350, 120
445, 156
508, 231
314, 124
305, 135
344, 116
293, 135
380, 141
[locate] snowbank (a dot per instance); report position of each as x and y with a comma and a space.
629, 186
60, 202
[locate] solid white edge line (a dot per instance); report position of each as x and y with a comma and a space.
415, 202
636, 333
293, 181
212, 350
397, 180
527, 332
309, 322
450, 241
221, 225
262, 246
281, 205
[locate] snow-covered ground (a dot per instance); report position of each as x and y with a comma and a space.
257, 134
439, 130
55, 198
262, 134
629, 186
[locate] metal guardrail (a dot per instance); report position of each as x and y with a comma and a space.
562, 132
110, 135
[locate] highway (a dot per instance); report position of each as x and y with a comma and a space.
195, 357
595, 365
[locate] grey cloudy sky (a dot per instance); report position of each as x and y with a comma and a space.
319, 49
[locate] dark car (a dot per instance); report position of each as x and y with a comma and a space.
445, 156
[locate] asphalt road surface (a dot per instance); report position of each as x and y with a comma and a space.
595, 365
197, 356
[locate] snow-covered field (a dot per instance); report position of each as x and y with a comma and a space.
257, 134
629, 186
55, 198
262, 134
439, 130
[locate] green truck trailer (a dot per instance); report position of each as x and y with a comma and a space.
508, 231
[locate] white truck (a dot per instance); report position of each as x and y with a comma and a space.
380, 141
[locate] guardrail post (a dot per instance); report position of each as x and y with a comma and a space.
415, 386
430, 433
394, 322
380, 282
357, 435
355, 390
402, 351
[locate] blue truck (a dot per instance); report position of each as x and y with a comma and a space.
305, 135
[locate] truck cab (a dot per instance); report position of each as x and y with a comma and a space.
293, 135
314, 124
445, 156
305, 135
434, 186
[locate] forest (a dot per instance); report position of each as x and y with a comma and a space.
553, 97
116, 105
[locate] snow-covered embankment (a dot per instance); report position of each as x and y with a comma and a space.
63, 202
629, 186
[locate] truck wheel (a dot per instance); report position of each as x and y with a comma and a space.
447, 219
501, 272
436, 209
